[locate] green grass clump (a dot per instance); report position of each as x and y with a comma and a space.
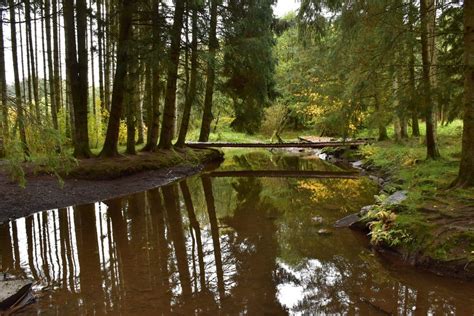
227, 135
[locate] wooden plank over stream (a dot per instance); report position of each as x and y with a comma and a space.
277, 145
323, 139
285, 174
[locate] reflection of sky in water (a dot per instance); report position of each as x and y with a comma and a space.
291, 294
120, 255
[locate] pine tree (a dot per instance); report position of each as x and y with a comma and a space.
3, 88
466, 170
191, 93
428, 18
77, 66
210, 75
154, 78
32, 59
111, 138
18, 98
249, 64
169, 114
56, 78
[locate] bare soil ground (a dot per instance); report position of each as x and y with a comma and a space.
44, 192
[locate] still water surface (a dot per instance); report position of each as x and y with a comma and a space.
218, 243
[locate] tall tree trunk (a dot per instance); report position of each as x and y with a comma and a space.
380, 121
397, 128
33, 78
211, 64
23, 82
45, 65
400, 108
147, 101
26, 80
100, 44
154, 108
191, 92
396, 106
91, 34
18, 100
3, 88
111, 138
77, 64
141, 94
81, 114
166, 135
411, 74
131, 90
428, 16
56, 62
68, 115
108, 52
403, 125
466, 170
35, 36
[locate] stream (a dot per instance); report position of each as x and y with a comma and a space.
257, 241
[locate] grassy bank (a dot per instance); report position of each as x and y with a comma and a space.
99, 169
435, 225
112, 168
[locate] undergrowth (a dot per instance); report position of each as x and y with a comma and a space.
417, 226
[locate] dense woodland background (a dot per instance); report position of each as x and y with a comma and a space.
151, 74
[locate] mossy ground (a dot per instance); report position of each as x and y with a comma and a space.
111, 168
226, 134
438, 219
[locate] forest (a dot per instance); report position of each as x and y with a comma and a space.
351, 180
92, 78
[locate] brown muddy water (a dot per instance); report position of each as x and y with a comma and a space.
222, 243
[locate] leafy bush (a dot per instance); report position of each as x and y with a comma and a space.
274, 117
45, 153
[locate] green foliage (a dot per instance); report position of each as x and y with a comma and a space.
14, 161
384, 229
310, 85
46, 154
248, 61
345, 67
274, 119
97, 126
451, 58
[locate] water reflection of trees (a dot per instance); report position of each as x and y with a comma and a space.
255, 249
276, 160
206, 246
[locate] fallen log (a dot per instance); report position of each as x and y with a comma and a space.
286, 174
276, 145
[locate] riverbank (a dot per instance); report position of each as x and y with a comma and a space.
99, 179
434, 227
